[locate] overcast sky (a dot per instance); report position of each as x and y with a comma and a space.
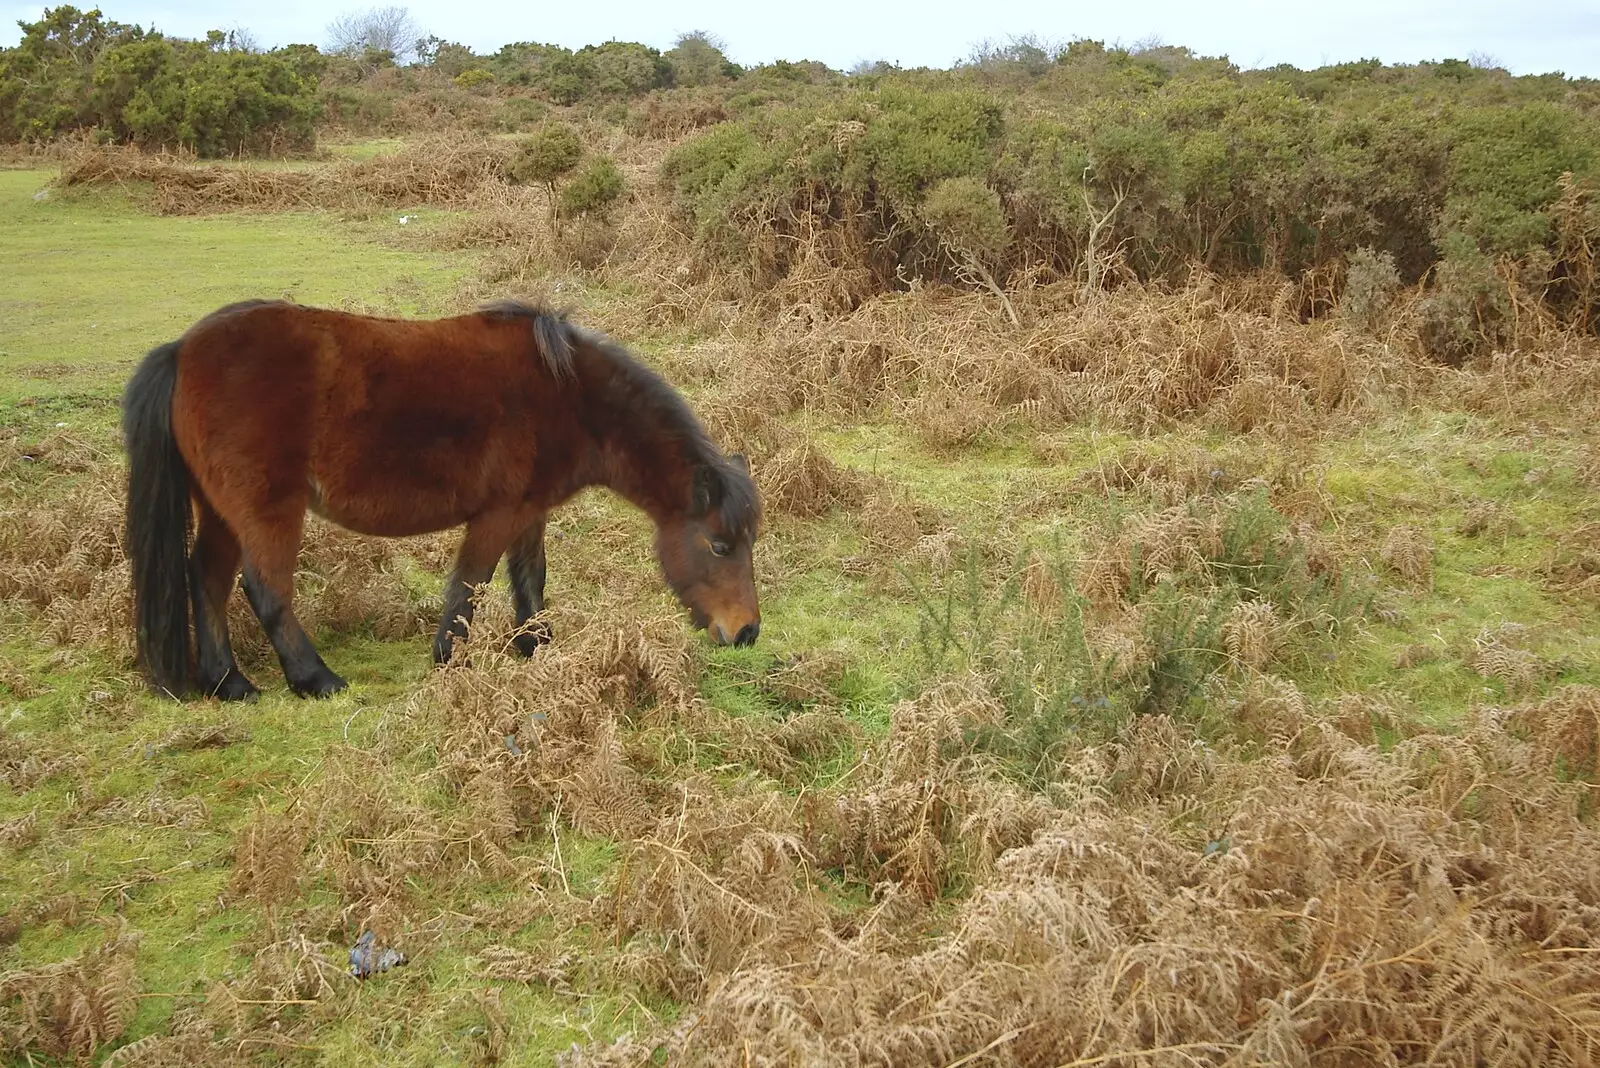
1563, 35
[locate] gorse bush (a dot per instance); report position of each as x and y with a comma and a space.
860, 167
594, 187
1371, 282
1464, 313
613, 69
549, 153
1138, 170
74, 70
966, 215
1168, 604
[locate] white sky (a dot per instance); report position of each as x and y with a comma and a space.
1564, 35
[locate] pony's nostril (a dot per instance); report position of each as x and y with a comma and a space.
747, 634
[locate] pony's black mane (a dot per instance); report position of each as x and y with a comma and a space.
552, 333
641, 389
738, 505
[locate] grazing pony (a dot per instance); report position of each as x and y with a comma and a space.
395, 427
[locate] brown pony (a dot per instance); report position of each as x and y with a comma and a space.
394, 427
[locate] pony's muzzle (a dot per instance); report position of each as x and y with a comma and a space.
746, 636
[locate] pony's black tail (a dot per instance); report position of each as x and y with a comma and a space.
159, 518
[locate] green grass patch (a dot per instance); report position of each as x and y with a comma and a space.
93, 284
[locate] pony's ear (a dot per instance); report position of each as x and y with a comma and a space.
707, 489
741, 461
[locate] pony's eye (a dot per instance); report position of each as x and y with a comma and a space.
719, 548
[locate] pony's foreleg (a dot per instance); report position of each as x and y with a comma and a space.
525, 564
213, 569
269, 584
487, 538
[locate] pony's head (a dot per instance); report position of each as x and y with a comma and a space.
705, 552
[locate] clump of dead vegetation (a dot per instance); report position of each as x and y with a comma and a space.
1186, 907
72, 1008
439, 170
945, 364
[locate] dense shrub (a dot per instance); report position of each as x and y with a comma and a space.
1370, 287
74, 70
593, 188
546, 155
520, 113
861, 165
966, 215
1110, 165
697, 59
1464, 312
611, 70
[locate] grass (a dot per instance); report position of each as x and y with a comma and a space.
136, 827
92, 283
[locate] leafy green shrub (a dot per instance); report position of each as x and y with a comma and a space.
521, 113
594, 72
594, 187
472, 78
1506, 164
1035, 637
74, 70
966, 215
698, 169
357, 109
447, 57
697, 59
623, 69
863, 165
548, 154
1371, 282
1463, 315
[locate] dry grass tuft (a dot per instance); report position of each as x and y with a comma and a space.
61, 559
800, 480
442, 170
1489, 519
267, 861
62, 563
1409, 552
73, 1008
1565, 728
1501, 653
20, 832
1346, 896
1251, 633
1136, 359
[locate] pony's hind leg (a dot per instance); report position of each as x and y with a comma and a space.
488, 537
213, 569
526, 567
270, 555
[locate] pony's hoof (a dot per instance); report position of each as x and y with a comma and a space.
323, 684
529, 640
235, 687
444, 649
